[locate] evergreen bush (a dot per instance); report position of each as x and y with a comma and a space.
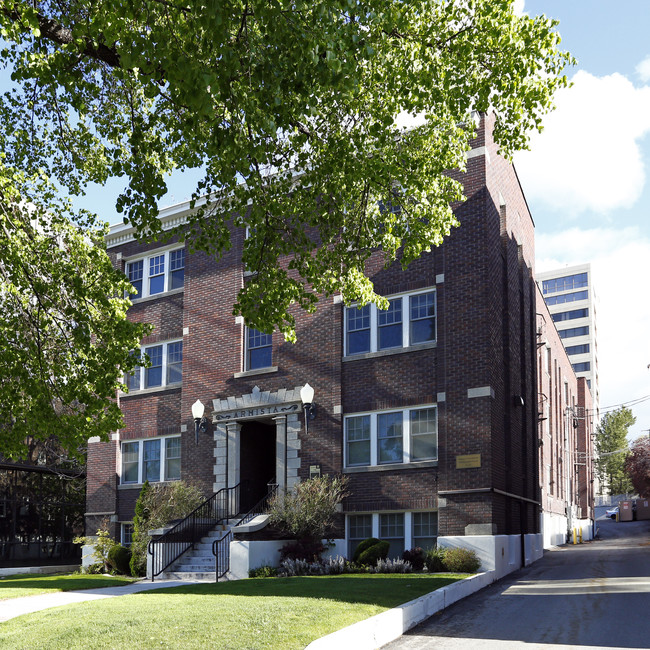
119, 559
140, 539
373, 554
363, 545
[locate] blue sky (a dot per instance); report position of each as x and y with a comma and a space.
586, 182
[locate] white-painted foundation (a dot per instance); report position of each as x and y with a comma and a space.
245, 555
554, 529
498, 553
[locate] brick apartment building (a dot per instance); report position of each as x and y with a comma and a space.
432, 408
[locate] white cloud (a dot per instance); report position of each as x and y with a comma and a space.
643, 69
518, 7
620, 260
588, 156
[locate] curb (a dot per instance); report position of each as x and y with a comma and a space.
383, 628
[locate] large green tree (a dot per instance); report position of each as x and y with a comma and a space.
290, 107
611, 449
64, 339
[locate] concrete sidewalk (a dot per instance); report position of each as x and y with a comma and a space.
27, 604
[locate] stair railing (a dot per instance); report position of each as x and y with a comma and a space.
167, 548
221, 546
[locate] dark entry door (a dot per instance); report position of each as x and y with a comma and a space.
257, 462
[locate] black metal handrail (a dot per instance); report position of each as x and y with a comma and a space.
167, 548
221, 546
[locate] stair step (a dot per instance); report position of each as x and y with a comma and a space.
198, 563
188, 566
196, 560
204, 576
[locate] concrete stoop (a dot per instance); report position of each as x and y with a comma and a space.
383, 628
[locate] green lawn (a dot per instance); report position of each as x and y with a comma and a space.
30, 584
256, 613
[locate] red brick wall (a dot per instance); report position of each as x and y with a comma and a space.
486, 322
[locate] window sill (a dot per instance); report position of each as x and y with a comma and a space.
163, 294
257, 371
390, 467
391, 351
138, 486
149, 391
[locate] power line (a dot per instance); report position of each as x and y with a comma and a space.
613, 407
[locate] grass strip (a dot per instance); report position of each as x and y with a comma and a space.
28, 584
282, 613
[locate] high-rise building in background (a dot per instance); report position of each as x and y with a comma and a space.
571, 299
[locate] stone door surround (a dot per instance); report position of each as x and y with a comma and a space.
283, 408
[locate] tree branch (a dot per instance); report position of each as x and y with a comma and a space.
53, 31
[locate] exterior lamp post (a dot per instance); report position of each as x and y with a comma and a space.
200, 422
307, 397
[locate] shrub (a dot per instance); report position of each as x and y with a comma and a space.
363, 545
338, 565
302, 549
156, 507
392, 566
140, 539
298, 568
102, 545
378, 551
331, 566
265, 571
119, 559
435, 560
416, 557
309, 511
96, 568
461, 560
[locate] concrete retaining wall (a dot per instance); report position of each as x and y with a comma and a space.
44, 570
385, 627
498, 553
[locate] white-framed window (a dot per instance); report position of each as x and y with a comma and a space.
259, 349
391, 529
152, 459
166, 367
126, 535
390, 437
424, 529
359, 528
410, 319
403, 530
157, 273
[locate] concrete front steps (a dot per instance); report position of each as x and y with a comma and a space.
197, 563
